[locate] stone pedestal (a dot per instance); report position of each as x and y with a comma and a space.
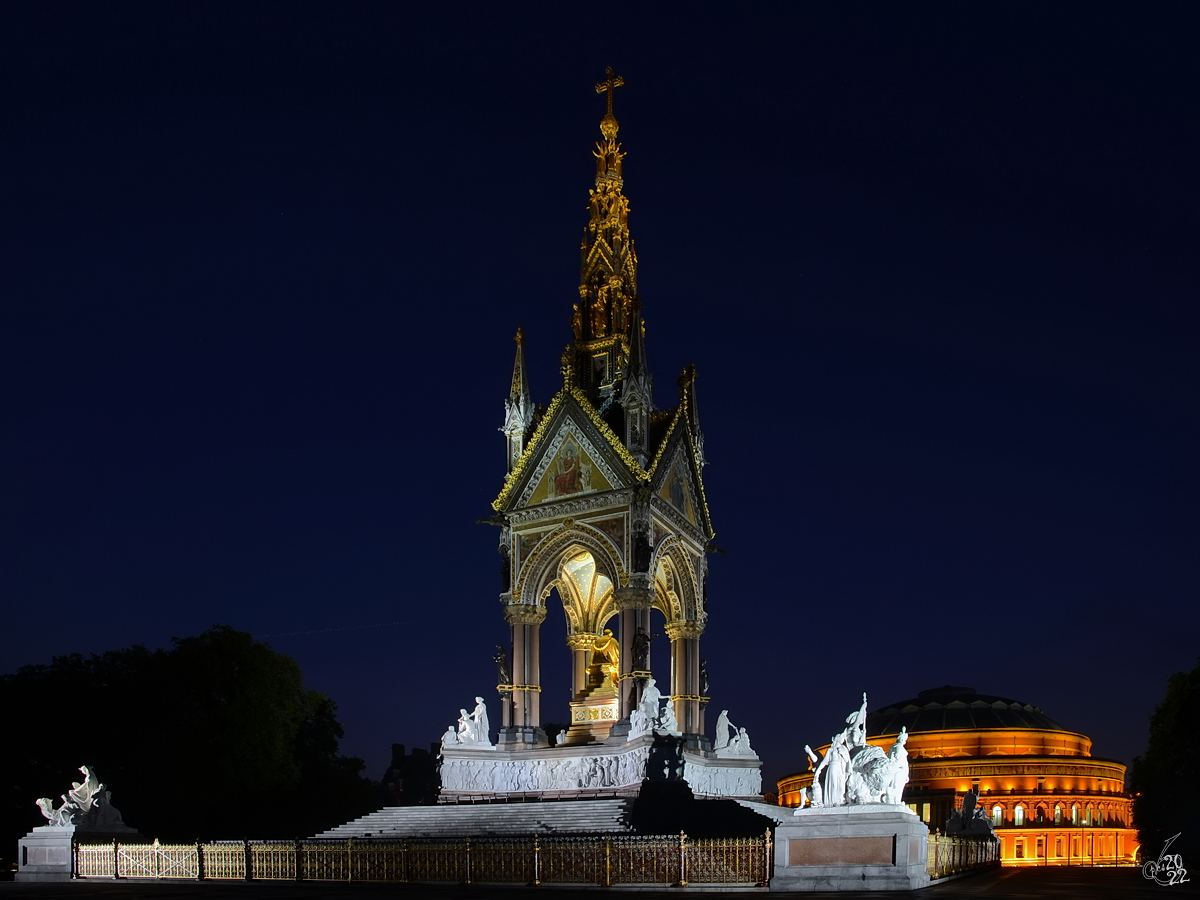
523, 737
593, 716
873, 847
45, 853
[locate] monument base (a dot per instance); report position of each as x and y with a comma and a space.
873, 847
45, 853
616, 768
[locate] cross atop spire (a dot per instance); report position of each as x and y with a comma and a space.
609, 86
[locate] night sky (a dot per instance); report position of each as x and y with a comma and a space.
261, 266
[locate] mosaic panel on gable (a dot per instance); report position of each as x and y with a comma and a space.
677, 489
572, 472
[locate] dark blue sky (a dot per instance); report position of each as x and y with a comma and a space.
261, 265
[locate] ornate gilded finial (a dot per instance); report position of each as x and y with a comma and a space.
520, 338
568, 367
687, 377
608, 125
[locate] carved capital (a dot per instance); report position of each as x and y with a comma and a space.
677, 630
582, 640
634, 597
524, 614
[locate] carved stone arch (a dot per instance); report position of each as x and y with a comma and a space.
573, 624
672, 549
666, 594
540, 570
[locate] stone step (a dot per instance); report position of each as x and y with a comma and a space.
555, 817
774, 811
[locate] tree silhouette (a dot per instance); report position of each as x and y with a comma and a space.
1162, 779
214, 738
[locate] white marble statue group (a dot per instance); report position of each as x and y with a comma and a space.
729, 739
472, 728
854, 772
650, 716
87, 803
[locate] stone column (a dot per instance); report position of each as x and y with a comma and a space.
525, 728
685, 674
633, 605
581, 645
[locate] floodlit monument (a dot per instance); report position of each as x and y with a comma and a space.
850, 831
603, 508
85, 812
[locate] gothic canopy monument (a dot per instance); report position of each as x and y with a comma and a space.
603, 504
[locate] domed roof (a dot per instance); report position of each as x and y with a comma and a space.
957, 708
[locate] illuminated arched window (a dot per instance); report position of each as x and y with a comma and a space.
1057, 813
997, 815
1019, 815
1074, 813
1089, 816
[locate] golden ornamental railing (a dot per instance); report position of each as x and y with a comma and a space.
599, 859
946, 856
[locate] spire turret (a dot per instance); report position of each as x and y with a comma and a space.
608, 272
637, 395
518, 408
687, 398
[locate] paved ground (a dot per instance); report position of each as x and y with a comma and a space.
1005, 884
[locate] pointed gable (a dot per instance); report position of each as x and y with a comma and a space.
675, 473
573, 453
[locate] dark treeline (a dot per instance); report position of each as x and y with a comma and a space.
1162, 778
216, 738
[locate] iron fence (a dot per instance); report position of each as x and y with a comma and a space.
603, 860
948, 856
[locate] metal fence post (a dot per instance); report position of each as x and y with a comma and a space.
199, 861
116, 859
682, 860
537, 861
768, 857
468, 860
608, 862
350, 858
248, 862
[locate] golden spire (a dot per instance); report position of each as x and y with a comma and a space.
608, 271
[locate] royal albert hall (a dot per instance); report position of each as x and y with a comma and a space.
1051, 802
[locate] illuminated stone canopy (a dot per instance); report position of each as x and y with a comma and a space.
603, 506
603, 515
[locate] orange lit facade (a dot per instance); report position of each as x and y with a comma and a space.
1051, 802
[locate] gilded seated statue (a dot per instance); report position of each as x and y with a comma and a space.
604, 668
